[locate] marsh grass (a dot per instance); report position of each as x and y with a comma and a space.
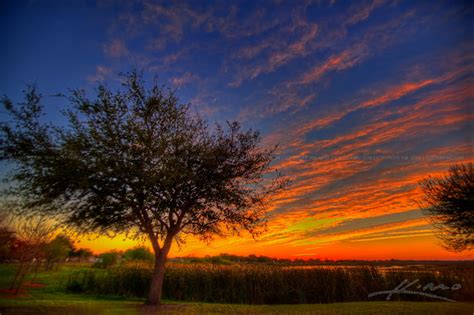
266, 284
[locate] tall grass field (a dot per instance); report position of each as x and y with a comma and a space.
264, 284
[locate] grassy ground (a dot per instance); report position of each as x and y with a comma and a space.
81, 305
46, 296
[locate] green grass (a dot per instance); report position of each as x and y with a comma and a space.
52, 299
98, 306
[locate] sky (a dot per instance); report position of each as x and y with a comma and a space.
364, 98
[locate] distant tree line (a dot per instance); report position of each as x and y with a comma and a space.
135, 254
226, 259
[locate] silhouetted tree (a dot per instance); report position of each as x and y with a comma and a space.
81, 254
7, 237
57, 250
108, 259
449, 202
32, 233
138, 161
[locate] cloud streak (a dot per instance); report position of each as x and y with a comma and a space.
365, 100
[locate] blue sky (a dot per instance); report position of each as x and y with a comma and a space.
364, 97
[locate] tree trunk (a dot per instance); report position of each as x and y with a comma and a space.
36, 269
26, 268
156, 286
17, 274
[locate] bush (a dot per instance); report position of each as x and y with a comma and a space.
107, 260
138, 254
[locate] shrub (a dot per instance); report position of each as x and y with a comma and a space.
107, 260
138, 254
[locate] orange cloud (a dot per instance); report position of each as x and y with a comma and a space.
344, 60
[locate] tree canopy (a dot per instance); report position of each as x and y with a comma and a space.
449, 202
136, 160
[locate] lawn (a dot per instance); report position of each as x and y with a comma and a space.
46, 296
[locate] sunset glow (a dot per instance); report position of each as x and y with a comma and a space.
364, 100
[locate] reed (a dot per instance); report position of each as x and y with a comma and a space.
266, 284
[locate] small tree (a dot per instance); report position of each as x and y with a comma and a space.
449, 202
32, 235
107, 260
81, 254
7, 236
57, 250
138, 161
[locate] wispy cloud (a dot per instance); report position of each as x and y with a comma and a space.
280, 49
116, 48
184, 79
365, 98
173, 20
372, 42
101, 74
279, 53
